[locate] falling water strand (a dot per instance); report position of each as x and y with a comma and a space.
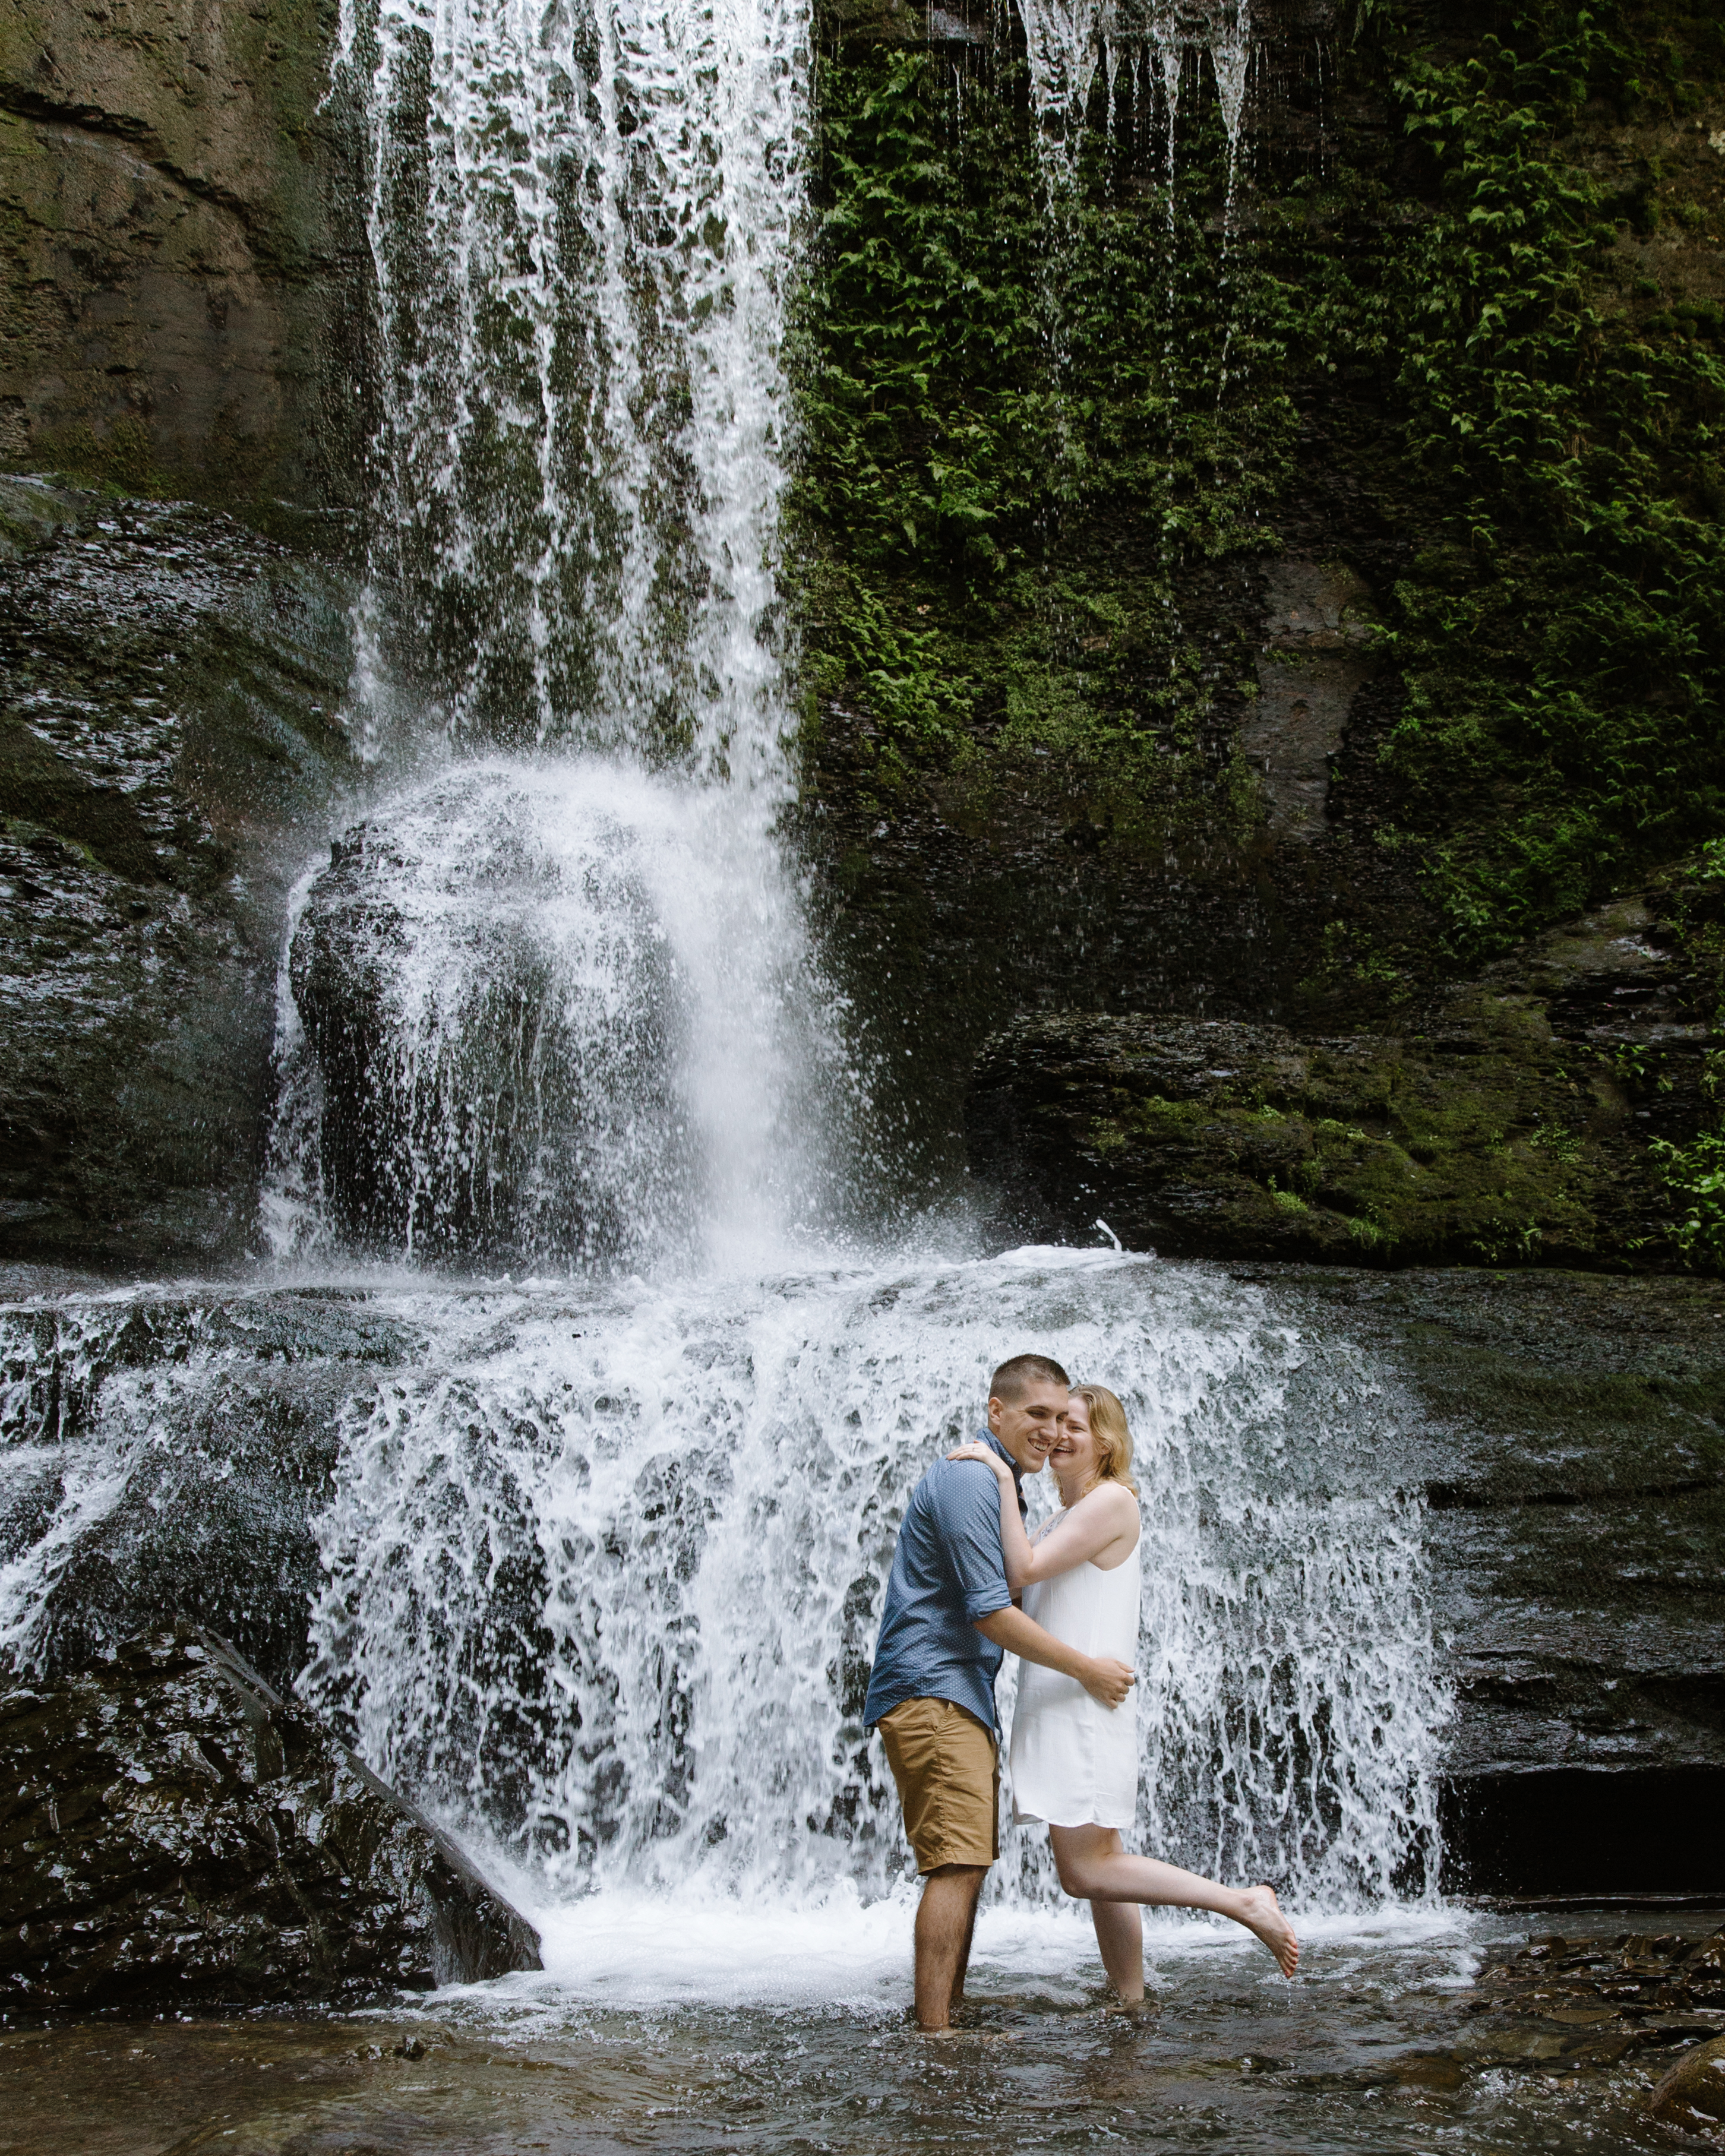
1062, 40
553, 1004
1231, 48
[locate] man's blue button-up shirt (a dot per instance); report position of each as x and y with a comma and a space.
947, 1571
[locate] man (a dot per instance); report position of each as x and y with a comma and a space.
949, 1616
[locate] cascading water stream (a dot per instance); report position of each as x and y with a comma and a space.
601, 1552
615, 1589
553, 1004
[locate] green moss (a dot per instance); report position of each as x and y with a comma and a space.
1021, 457
1009, 449
120, 456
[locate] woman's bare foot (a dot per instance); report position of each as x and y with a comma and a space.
1259, 1913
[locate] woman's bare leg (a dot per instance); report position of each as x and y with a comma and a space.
1120, 1939
1095, 1868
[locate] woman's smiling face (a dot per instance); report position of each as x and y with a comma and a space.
1074, 1458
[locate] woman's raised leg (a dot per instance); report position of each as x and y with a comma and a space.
1094, 1867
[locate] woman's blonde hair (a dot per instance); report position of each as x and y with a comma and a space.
1113, 1436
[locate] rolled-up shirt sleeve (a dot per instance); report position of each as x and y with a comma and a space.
968, 1523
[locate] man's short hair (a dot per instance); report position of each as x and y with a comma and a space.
1015, 1377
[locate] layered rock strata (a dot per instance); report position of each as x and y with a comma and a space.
1564, 2006
173, 286
1513, 1120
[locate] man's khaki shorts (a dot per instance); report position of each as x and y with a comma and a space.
948, 1769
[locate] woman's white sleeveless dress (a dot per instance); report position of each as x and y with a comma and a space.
1075, 1762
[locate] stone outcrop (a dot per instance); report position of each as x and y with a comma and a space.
175, 301
1509, 1122
166, 680
1691, 2098
176, 1834
494, 1032
1562, 1434
1317, 656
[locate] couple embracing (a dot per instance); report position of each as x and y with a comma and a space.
963, 1562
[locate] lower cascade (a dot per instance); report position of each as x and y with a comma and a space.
606, 1575
595, 1570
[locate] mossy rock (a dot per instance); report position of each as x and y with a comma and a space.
1514, 1122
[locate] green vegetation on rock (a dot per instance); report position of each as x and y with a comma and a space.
1035, 431
1009, 441
1564, 648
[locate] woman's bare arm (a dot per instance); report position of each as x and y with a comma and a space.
1103, 1517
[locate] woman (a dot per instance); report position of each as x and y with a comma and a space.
1075, 1763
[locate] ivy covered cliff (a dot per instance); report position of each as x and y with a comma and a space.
1274, 581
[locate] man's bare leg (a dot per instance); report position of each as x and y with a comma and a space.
964, 1952
1094, 1867
946, 1918
1120, 1936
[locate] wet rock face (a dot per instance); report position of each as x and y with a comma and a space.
1565, 1432
1692, 2096
165, 683
490, 1009
174, 282
1313, 663
1509, 1124
176, 1834
205, 1434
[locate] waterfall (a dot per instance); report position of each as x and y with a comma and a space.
553, 1003
580, 220
620, 1588
602, 1548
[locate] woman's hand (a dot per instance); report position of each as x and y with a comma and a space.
975, 1450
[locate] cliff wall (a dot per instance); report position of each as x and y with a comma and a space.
1285, 593
177, 300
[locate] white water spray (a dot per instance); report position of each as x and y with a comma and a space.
608, 1580
580, 223
1065, 38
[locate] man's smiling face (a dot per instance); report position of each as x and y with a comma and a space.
1029, 1427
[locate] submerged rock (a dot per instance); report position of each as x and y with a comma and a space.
489, 999
1692, 2096
175, 1833
1509, 1124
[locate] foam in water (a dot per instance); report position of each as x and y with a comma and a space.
609, 1587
